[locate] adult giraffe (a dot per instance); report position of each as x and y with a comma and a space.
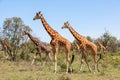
85, 45
6, 47
57, 40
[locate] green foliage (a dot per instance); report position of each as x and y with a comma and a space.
13, 30
116, 61
24, 56
26, 50
105, 38
113, 43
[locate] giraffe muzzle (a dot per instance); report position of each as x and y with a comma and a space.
33, 18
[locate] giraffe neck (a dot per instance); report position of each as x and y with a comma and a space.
2, 43
75, 34
8, 47
99, 43
47, 27
32, 38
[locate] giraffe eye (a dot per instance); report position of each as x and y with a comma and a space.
37, 14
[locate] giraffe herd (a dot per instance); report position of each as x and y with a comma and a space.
84, 45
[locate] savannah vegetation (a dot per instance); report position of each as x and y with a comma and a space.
17, 66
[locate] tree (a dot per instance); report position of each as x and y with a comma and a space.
105, 38
113, 43
13, 31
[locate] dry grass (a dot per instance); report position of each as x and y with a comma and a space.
22, 70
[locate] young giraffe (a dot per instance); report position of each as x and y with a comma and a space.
101, 48
57, 40
85, 45
40, 46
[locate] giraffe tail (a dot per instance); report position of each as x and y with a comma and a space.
73, 56
100, 57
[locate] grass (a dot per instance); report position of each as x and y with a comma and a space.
22, 70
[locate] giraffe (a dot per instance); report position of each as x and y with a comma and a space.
56, 41
6, 48
40, 46
85, 46
101, 48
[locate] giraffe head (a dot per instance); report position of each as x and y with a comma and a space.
65, 25
37, 16
25, 33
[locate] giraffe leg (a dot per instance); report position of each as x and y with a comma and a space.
87, 63
39, 53
49, 56
98, 68
95, 65
55, 49
67, 60
9, 53
5, 55
82, 60
35, 56
55, 62
33, 60
40, 56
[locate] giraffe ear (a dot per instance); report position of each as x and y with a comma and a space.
67, 21
42, 15
36, 13
39, 12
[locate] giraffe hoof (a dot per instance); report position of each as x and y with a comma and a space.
55, 71
70, 70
